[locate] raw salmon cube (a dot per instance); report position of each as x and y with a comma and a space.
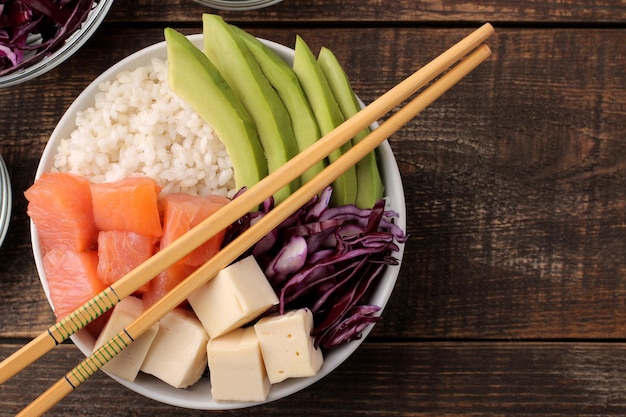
119, 252
182, 212
130, 204
72, 279
165, 282
60, 206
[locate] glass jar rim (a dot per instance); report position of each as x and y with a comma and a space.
238, 4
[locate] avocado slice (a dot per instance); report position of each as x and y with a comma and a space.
285, 81
196, 80
369, 181
328, 116
241, 71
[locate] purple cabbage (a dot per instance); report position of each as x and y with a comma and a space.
53, 21
326, 259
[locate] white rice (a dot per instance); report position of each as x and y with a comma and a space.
138, 126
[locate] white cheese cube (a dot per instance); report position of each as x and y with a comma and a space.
234, 297
177, 355
287, 345
236, 367
127, 363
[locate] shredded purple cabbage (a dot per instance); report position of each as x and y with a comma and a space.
53, 21
326, 259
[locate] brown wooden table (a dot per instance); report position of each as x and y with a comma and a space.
512, 295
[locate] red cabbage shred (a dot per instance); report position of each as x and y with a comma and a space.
326, 259
51, 22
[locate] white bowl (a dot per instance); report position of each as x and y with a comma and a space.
199, 396
69, 47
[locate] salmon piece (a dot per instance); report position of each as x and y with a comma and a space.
130, 204
72, 279
96, 326
165, 282
60, 205
119, 252
181, 213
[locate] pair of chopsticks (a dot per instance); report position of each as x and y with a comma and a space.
470, 51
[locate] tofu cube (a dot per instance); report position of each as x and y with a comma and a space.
287, 345
236, 367
236, 295
127, 363
177, 355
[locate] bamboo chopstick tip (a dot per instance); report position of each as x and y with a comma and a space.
489, 28
485, 49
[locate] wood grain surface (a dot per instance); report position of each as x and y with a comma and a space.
511, 297
377, 12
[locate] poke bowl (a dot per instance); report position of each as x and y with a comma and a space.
25, 58
198, 396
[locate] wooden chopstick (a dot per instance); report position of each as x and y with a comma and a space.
256, 232
237, 207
